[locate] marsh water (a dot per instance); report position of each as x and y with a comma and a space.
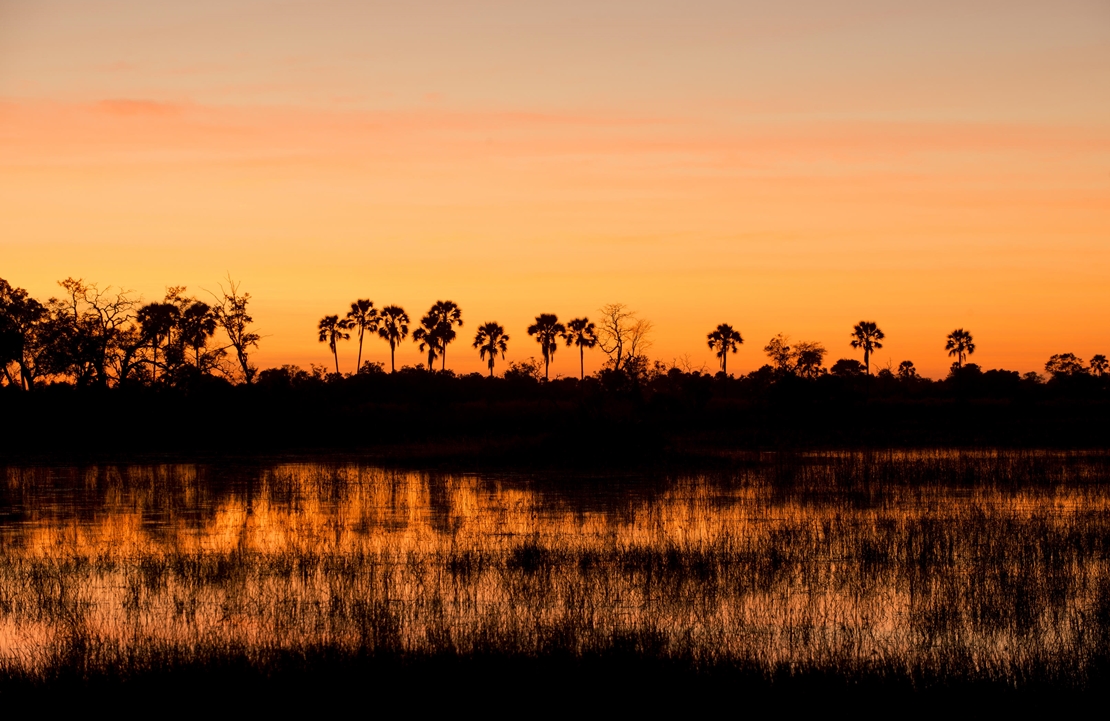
989, 562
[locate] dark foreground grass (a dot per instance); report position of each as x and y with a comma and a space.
624, 679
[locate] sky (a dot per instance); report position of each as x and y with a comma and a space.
786, 167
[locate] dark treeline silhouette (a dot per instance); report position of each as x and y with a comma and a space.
176, 374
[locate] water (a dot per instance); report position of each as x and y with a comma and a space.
988, 563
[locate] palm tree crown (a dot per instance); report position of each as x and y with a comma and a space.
547, 330
723, 340
490, 340
364, 317
959, 345
866, 335
582, 333
428, 338
1099, 365
393, 326
332, 329
157, 321
445, 314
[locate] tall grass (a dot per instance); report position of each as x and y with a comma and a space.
922, 569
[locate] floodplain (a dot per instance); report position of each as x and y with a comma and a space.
921, 572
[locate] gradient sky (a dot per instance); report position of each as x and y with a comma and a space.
791, 166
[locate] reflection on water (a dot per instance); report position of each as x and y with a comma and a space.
827, 560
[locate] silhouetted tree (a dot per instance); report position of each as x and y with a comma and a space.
89, 330
21, 318
906, 370
809, 359
446, 315
157, 321
582, 333
547, 329
1065, 364
847, 368
866, 335
960, 345
393, 327
197, 323
231, 314
781, 355
525, 370
490, 340
724, 340
363, 317
332, 330
428, 339
1099, 365
621, 335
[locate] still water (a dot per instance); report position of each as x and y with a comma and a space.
988, 560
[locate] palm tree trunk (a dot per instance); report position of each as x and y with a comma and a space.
582, 361
358, 363
724, 362
335, 352
867, 360
392, 357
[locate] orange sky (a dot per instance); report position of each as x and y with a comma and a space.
784, 168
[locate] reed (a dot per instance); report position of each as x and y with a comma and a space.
915, 572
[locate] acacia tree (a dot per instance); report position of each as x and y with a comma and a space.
362, 316
332, 330
490, 340
809, 359
89, 330
547, 329
867, 335
621, 335
960, 345
724, 340
1065, 364
582, 333
393, 327
231, 315
780, 353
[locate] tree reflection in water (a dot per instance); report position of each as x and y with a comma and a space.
944, 562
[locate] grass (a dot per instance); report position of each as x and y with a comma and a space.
864, 575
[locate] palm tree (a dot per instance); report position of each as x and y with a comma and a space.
332, 330
582, 333
547, 329
491, 340
959, 344
393, 326
363, 316
724, 339
157, 321
197, 325
1099, 366
866, 335
428, 339
446, 314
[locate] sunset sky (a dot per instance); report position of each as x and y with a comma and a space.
792, 166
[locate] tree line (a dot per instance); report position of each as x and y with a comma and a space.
93, 336
90, 336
